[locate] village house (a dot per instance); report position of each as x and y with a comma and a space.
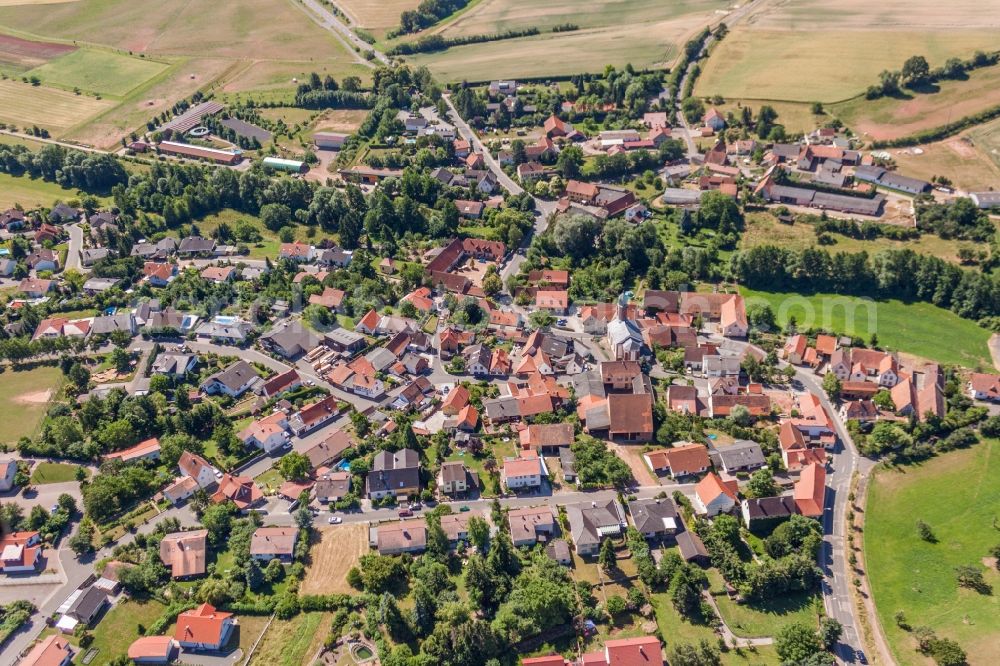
194, 466
984, 386
146, 450
20, 552
240, 490
524, 471
269, 543
393, 474
53, 650
530, 525
204, 628
590, 522
452, 478
713, 496
332, 487
655, 518
741, 456
184, 553
234, 381
267, 434
405, 536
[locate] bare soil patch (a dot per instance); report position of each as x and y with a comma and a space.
340, 547
34, 398
29, 54
632, 455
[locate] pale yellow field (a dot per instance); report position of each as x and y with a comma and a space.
12, 3
339, 549
55, 110
957, 157
375, 15
819, 50
564, 53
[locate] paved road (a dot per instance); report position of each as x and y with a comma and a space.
837, 598
75, 248
334, 24
543, 209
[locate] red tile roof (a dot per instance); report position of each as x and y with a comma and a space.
810, 491
201, 625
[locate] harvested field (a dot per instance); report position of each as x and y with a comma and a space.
292, 642
562, 53
103, 72
493, 16
376, 16
890, 118
255, 29
816, 50
339, 549
56, 110
642, 32
829, 64
22, 54
340, 121
958, 158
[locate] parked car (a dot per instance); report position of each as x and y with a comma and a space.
405, 513
335, 520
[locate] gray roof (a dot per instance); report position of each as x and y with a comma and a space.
677, 195
100, 284
88, 605
691, 546
213, 329
590, 521
588, 383
344, 337
391, 471
112, 323
168, 363
764, 508
654, 515
985, 199
505, 407
235, 376
293, 338
380, 358
193, 244
742, 453
92, 254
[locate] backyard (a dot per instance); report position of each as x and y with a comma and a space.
957, 495
913, 328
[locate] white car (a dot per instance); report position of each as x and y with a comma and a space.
335, 520
218, 474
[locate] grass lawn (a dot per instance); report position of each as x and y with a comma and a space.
957, 494
986, 138
120, 626
912, 328
25, 398
31, 193
756, 620
103, 72
291, 643
46, 472
676, 629
270, 480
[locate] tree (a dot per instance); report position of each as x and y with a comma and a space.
685, 590
971, 577
615, 605
254, 576
760, 316
796, 642
832, 386
294, 466
693, 109
574, 236
740, 415
275, 215
925, 532
830, 631
67, 503
218, 520
82, 541
607, 558
883, 399
479, 533
762, 484
915, 71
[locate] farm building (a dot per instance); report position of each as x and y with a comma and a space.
280, 164
985, 199
228, 157
192, 117
329, 140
